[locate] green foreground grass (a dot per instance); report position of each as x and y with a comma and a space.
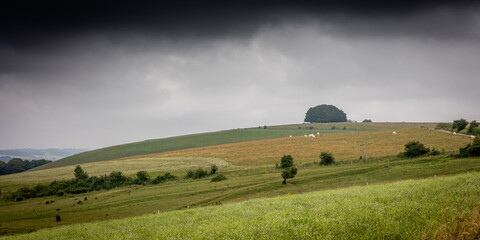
402, 210
241, 185
222, 137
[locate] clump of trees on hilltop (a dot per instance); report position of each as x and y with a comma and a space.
17, 165
324, 114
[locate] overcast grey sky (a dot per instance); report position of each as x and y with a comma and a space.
130, 74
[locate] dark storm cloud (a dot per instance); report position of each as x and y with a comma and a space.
32, 23
92, 75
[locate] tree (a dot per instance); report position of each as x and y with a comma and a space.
143, 176
326, 158
289, 169
325, 113
459, 124
289, 173
367, 121
286, 162
471, 128
79, 173
415, 149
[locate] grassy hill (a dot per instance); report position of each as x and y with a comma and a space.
430, 208
223, 137
241, 185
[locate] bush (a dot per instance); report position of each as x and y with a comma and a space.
143, 176
167, 176
189, 174
471, 128
415, 149
326, 158
213, 169
200, 173
218, 178
58, 218
471, 149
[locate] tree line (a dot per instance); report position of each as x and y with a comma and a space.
17, 165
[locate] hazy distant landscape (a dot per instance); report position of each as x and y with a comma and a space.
47, 154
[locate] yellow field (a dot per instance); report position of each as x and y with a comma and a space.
128, 167
344, 146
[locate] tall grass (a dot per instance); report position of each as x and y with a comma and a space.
412, 209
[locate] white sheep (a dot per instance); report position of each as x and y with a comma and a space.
318, 133
290, 135
311, 135
305, 135
394, 133
454, 133
472, 136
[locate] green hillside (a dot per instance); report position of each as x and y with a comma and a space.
413, 209
223, 137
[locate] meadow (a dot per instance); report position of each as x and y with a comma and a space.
223, 137
440, 207
249, 167
241, 185
345, 146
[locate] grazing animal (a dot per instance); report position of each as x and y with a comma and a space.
318, 133
290, 135
454, 133
311, 135
305, 135
394, 133
472, 136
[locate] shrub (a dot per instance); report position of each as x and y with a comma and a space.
415, 149
167, 176
471, 128
200, 173
143, 176
58, 218
189, 174
213, 169
471, 149
218, 178
326, 158
79, 173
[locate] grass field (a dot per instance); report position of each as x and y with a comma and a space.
345, 146
223, 137
241, 185
402, 210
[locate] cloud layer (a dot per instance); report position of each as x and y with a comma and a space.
88, 85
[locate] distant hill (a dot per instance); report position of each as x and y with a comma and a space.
48, 154
223, 137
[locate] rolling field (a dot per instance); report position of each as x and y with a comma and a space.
241, 185
345, 146
403, 210
223, 137
249, 168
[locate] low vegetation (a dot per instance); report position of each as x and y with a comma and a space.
403, 210
471, 149
82, 183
